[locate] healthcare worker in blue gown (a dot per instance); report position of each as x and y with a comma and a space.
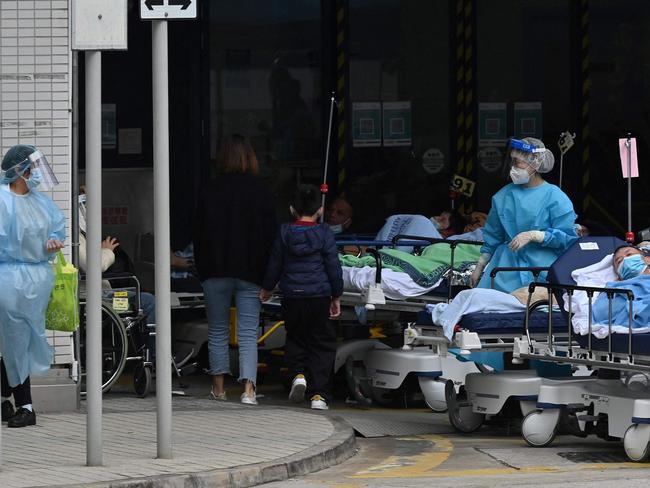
531, 222
32, 229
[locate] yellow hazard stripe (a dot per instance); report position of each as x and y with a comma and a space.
341, 81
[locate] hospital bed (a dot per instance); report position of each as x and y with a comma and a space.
612, 404
488, 394
373, 369
467, 374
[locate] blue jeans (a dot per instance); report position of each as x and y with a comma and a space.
148, 305
218, 294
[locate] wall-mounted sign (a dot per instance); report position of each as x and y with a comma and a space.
528, 120
397, 123
366, 124
492, 119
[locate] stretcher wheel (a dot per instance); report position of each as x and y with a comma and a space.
142, 380
637, 442
539, 427
461, 416
358, 386
434, 393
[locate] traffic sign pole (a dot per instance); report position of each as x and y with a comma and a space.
94, 439
161, 233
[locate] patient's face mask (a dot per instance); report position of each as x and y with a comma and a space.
519, 176
632, 266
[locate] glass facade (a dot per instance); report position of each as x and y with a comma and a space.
266, 68
265, 82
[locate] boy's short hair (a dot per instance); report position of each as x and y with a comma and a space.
306, 200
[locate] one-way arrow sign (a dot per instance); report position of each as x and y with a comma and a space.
168, 9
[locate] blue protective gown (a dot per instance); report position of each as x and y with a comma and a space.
516, 209
26, 280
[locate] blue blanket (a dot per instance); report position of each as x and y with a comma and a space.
640, 286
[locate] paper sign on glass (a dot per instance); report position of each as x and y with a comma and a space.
623, 149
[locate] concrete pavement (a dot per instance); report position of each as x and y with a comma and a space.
215, 444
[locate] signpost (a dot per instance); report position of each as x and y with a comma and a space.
96, 25
160, 11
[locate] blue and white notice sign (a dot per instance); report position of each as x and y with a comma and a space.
168, 9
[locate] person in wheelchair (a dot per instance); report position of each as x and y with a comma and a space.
113, 260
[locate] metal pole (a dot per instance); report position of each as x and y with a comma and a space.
75, 207
94, 444
561, 168
327, 157
628, 144
161, 232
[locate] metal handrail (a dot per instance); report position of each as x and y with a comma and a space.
589, 290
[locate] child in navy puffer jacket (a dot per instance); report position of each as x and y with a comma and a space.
304, 260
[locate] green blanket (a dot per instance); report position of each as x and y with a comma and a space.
427, 269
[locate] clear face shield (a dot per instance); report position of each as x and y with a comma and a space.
40, 164
82, 212
519, 152
40, 172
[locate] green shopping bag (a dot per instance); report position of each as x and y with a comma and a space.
63, 309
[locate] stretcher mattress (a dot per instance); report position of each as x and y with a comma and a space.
640, 343
499, 323
495, 323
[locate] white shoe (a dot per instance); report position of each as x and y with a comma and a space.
319, 403
298, 387
247, 399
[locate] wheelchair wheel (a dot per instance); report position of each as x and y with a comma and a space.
114, 347
142, 380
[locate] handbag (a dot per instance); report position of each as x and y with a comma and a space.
63, 308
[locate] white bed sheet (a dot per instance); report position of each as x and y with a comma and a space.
596, 275
395, 284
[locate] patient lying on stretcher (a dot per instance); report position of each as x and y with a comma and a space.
631, 267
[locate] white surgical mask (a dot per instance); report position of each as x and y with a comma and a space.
337, 229
519, 176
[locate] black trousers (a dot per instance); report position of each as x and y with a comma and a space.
22, 393
310, 347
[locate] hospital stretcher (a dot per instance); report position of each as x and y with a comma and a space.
612, 404
441, 366
488, 394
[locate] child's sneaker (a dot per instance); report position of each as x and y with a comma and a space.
298, 387
319, 403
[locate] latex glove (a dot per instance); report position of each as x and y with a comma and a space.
524, 238
478, 271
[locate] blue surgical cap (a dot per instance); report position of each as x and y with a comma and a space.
11, 163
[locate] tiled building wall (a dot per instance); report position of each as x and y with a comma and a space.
35, 97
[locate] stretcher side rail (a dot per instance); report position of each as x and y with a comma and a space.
577, 354
536, 270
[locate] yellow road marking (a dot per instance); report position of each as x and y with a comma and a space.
424, 465
415, 466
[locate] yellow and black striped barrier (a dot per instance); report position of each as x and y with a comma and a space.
341, 88
465, 59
